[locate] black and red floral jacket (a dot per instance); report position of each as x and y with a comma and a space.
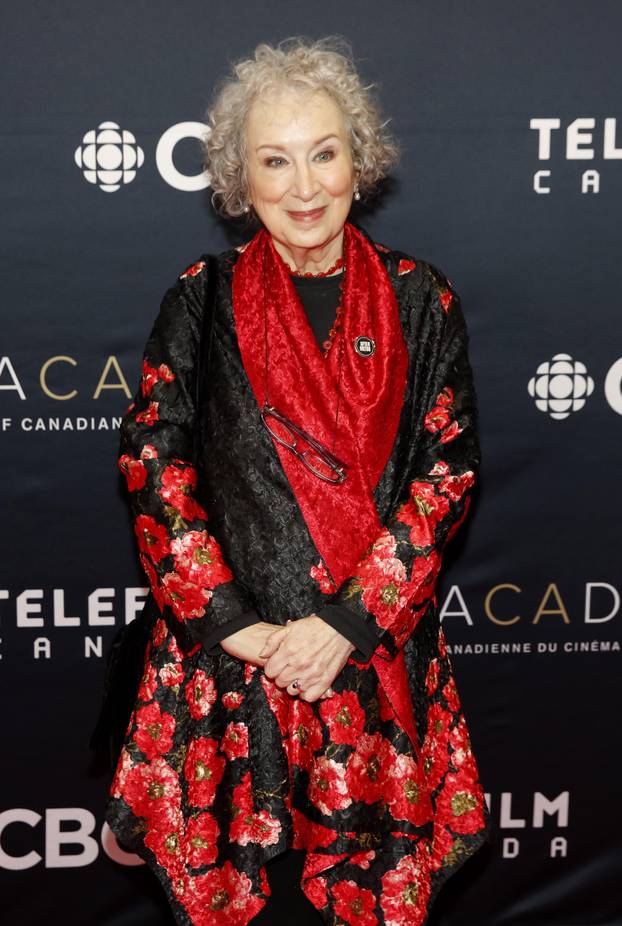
220, 769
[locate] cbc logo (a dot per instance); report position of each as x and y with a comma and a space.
50, 835
110, 157
562, 385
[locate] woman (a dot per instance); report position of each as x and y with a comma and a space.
291, 507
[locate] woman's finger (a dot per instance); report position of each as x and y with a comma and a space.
272, 643
315, 693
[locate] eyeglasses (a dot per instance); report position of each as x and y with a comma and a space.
318, 459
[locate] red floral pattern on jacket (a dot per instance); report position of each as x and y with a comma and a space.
220, 768
394, 583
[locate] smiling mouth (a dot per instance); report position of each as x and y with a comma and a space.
306, 213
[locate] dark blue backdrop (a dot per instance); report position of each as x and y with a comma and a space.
510, 182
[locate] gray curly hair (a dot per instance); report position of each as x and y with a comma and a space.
324, 64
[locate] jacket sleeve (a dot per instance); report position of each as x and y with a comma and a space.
393, 584
182, 560
348, 623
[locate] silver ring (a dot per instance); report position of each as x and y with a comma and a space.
295, 683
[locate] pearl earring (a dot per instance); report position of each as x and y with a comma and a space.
245, 208
357, 195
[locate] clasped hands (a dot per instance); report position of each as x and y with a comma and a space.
307, 649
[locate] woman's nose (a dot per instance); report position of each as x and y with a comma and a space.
304, 182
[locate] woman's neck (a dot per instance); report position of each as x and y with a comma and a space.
311, 260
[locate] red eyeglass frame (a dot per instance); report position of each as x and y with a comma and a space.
338, 466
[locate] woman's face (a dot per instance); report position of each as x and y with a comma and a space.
300, 171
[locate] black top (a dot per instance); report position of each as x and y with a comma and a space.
320, 297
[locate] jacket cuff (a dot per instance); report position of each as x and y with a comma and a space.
351, 626
211, 641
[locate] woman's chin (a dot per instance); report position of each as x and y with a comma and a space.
310, 236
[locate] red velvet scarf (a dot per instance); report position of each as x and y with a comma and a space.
342, 518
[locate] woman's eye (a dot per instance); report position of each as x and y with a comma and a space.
276, 161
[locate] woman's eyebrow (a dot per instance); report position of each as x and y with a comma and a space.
318, 142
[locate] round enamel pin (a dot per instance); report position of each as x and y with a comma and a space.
364, 346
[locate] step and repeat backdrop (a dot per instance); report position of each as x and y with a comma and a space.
510, 121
